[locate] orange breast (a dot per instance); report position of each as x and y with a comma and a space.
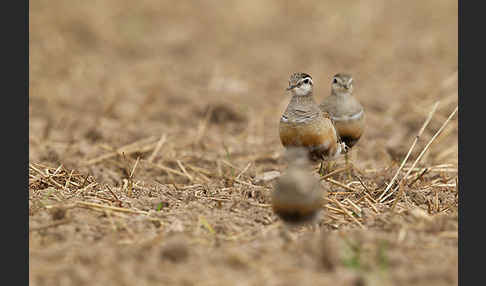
303, 135
296, 213
352, 129
319, 137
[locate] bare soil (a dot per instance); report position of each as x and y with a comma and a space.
149, 122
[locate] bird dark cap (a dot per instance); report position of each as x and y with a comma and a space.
343, 75
295, 77
299, 75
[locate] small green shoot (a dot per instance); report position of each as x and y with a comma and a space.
352, 256
204, 222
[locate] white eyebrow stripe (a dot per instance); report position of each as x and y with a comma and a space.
348, 117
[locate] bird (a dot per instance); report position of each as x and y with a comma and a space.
298, 195
345, 110
303, 124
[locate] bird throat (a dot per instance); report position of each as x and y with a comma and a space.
297, 100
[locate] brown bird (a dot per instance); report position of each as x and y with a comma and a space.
303, 124
298, 195
345, 110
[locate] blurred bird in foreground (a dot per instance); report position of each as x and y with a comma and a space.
298, 195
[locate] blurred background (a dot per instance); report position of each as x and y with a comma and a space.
207, 78
116, 71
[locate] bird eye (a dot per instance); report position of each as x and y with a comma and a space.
334, 80
306, 80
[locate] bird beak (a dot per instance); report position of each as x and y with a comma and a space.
291, 87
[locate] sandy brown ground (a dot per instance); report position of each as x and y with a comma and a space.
195, 90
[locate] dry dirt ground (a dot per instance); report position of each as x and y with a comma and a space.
150, 121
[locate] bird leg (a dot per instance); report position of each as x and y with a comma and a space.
321, 169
